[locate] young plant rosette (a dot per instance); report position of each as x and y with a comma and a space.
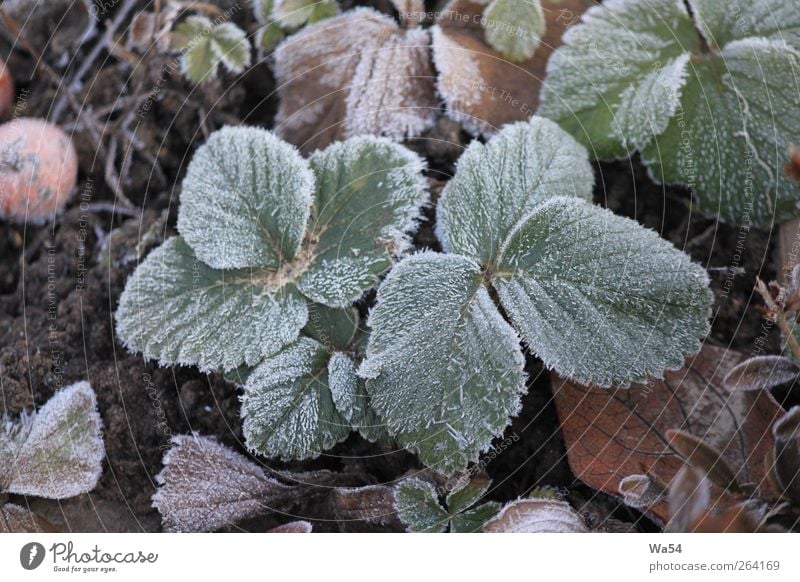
266, 235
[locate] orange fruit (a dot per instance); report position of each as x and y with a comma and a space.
38, 170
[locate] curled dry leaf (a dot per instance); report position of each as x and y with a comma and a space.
640, 491
369, 508
536, 516
299, 526
482, 89
612, 434
6, 89
355, 74
761, 373
206, 486
700, 454
16, 519
787, 453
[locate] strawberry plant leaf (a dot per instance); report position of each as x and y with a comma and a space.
56, 452
417, 504
351, 398
599, 298
514, 27
287, 406
296, 13
443, 369
205, 46
177, 310
333, 328
498, 183
245, 200
695, 90
368, 198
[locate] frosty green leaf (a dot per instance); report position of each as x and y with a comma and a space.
205, 46
351, 399
369, 194
56, 452
599, 298
287, 405
296, 13
443, 369
514, 27
701, 93
417, 504
498, 183
245, 200
333, 328
177, 310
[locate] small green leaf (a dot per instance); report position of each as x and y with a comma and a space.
369, 195
498, 183
417, 504
599, 298
56, 452
287, 405
177, 310
333, 328
473, 520
467, 494
514, 27
607, 66
296, 13
245, 200
205, 45
351, 398
443, 369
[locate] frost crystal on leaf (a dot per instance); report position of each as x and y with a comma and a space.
497, 184
56, 452
204, 46
705, 109
358, 73
333, 328
206, 486
16, 519
245, 200
418, 506
287, 406
177, 310
514, 27
599, 298
369, 195
536, 516
443, 369
296, 13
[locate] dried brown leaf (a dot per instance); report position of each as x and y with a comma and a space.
299, 526
640, 491
762, 372
483, 90
536, 516
16, 519
611, 434
700, 454
786, 457
355, 74
369, 508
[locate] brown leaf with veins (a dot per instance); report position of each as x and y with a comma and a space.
482, 89
354, 74
612, 434
366, 509
16, 519
536, 516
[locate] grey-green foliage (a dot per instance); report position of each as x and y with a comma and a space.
597, 297
56, 452
277, 17
272, 244
417, 504
707, 98
205, 45
514, 27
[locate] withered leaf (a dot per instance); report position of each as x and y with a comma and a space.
369, 508
640, 491
482, 89
16, 519
762, 372
536, 516
700, 454
612, 434
355, 74
205, 486
787, 453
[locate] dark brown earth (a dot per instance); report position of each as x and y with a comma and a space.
59, 286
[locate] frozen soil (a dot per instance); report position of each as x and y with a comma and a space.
60, 283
